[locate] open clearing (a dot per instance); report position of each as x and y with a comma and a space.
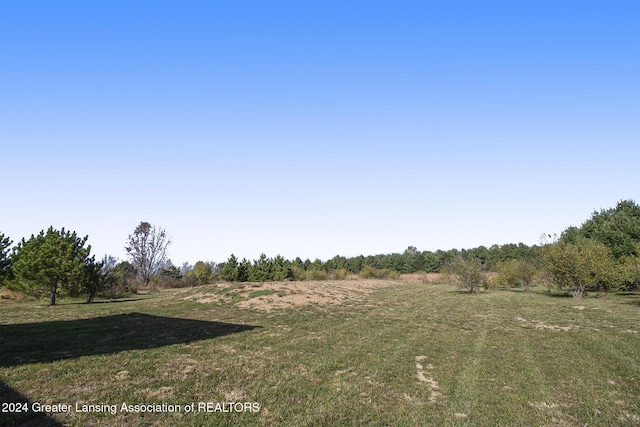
354, 352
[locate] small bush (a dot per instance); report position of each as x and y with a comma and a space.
166, 282
469, 274
368, 272
314, 274
514, 273
340, 274
299, 273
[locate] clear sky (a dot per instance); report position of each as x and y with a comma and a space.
316, 128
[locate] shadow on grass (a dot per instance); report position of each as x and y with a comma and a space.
67, 339
20, 413
112, 301
557, 295
631, 298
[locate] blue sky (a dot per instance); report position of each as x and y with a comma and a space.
316, 128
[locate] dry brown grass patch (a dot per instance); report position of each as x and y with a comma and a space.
295, 294
421, 277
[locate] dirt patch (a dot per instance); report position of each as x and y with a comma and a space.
295, 294
267, 296
427, 377
538, 324
189, 369
234, 395
162, 392
213, 294
122, 375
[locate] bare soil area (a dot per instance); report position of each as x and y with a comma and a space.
268, 296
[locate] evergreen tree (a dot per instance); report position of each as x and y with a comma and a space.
172, 272
617, 228
354, 265
431, 262
95, 280
412, 260
262, 269
229, 271
281, 269
5, 259
244, 270
54, 263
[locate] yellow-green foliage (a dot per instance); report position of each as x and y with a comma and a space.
202, 272
515, 272
314, 274
581, 265
468, 274
340, 274
300, 273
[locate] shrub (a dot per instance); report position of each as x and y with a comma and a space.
314, 274
299, 273
120, 280
515, 272
469, 274
581, 265
629, 273
340, 274
160, 281
368, 272
202, 272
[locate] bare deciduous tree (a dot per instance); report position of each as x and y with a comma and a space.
147, 248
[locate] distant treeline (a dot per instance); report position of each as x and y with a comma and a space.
602, 254
411, 260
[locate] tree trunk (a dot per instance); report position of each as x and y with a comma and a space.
54, 290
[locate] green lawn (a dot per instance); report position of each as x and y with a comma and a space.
403, 355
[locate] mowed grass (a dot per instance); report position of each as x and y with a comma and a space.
406, 355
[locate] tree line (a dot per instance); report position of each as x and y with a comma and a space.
383, 265
603, 254
59, 263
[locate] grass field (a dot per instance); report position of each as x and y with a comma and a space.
325, 353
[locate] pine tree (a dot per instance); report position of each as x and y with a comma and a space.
5, 260
229, 270
53, 263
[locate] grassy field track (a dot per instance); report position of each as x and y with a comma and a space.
366, 353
